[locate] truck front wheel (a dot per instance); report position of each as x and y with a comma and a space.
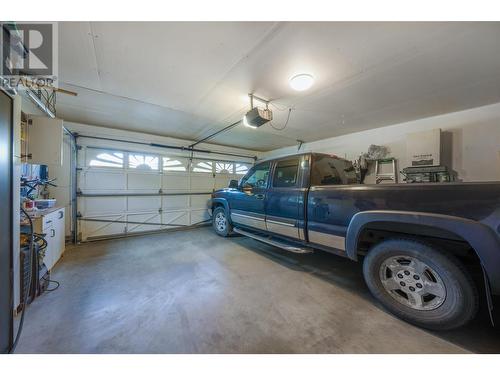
420, 284
220, 222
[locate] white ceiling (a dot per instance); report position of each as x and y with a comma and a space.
186, 79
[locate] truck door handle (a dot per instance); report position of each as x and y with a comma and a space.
259, 196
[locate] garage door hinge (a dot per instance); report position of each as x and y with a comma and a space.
160, 191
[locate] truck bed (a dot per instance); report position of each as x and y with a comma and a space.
337, 204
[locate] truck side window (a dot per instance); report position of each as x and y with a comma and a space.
286, 173
257, 176
328, 170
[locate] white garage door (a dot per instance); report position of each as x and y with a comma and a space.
124, 192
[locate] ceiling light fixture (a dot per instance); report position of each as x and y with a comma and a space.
301, 82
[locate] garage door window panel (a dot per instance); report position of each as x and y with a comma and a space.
143, 162
101, 158
222, 167
203, 166
241, 169
171, 164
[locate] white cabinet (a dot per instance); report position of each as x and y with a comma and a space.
44, 140
60, 237
51, 224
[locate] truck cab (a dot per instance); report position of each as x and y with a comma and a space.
273, 197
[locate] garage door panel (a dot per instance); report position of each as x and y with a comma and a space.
175, 218
104, 180
222, 181
143, 203
175, 182
80, 179
143, 181
175, 202
97, 229
200, 201
82, 162
103, 205
150, 218
198, 216
134, 182
202, 182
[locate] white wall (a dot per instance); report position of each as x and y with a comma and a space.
470, 142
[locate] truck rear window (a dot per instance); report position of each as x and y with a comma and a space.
286, 173
327, 170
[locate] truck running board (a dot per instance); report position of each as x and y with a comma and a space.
281, 244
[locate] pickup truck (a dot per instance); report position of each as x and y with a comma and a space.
420, 243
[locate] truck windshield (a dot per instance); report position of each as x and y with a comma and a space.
328, 170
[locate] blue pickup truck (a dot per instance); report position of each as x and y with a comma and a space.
420, 243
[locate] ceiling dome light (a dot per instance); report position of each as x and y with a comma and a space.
301, 82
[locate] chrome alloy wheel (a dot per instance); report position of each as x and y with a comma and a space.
220, 222
412, 282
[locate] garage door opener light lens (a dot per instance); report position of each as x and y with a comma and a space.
245, 122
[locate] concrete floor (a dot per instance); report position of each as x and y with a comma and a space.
194, 292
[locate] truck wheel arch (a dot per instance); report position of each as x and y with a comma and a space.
216, 202
479, 236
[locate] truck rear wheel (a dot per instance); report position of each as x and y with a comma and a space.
420, 284
220, 222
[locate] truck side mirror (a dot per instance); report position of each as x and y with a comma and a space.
247, 188
233, 184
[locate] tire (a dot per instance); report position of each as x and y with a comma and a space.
444, 295
220, 222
